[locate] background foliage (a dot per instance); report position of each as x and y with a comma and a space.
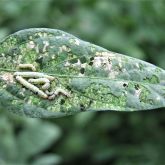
135, 28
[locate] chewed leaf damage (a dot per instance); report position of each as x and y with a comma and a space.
54, 74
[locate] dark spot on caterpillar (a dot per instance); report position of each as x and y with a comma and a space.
35, 92
82, 70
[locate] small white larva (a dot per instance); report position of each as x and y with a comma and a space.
52, 97
46, 86
39, 80
31, 87
57, 92
34, 75
25, 66
49, 93
44, 81
61, 91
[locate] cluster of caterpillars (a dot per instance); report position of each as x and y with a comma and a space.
30, 79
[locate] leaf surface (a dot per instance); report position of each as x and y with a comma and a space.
94, 78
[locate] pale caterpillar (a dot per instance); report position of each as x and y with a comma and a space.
38, 78
57, 92
25, 66
49, 93
31, 87
44, 81
34, 75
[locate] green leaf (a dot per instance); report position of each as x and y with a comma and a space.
49, 159
36, 137
86, 77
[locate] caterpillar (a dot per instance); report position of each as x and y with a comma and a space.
33, 88
27, 66
44, 81
34, 74
57, 92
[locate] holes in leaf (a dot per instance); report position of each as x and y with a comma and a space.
125, 85
92, 58
62, 101
91, 63
82, 70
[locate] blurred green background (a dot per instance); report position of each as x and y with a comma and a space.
135, 28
